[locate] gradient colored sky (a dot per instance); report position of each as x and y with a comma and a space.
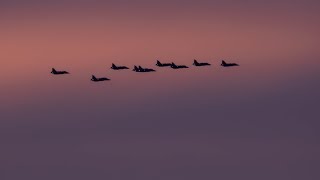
256, 121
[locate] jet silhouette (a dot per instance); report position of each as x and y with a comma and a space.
162, 65
174, 66
114, 67
224, 64
140, 69
99, 79
196, 63
55, 72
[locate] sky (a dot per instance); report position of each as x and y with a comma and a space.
256, 121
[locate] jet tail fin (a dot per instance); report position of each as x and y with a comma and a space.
141, 69
114, 66
53, 70
93, 77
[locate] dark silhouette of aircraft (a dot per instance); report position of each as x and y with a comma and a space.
196, 63
162, 64
224, 64
140, 69
99, 79
55, 72
174, 66
114, 67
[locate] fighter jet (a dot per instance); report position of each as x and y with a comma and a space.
140, 69
55, 72
224, 64
162, 64
196, 63
114, 67
99, 79
174, 66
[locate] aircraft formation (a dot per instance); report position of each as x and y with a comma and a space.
143, 70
